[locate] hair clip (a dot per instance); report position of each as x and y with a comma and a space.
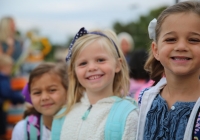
80, 33
26, 94
152, 29
83, 32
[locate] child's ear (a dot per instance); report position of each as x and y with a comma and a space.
155, 51
118, 65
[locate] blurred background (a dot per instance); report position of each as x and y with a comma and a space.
60, 20
35, 31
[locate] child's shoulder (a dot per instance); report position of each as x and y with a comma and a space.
123, 114
134, 114
141, 95
19, 130
126, 107
20, 124
153, 89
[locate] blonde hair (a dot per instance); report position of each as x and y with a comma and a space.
121, 79
5, 60
153, 66
5, 28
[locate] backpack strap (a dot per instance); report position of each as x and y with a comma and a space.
116, 120
33, 127
196, 126
57, 125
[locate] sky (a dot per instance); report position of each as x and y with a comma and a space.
60, 19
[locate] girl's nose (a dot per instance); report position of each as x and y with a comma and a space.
92, 67
44, 96
181, 45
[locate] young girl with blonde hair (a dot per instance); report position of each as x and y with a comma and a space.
170, 109
98, 84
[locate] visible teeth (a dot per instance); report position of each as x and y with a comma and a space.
94, 77
181, 58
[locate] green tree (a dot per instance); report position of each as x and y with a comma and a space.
139, 29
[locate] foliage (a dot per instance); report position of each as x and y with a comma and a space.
139, 29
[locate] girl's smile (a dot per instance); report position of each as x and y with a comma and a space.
178, 46
47, 105
95, 77
47, 94
95, 69
180, 60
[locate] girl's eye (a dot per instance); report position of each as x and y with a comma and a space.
83, 63
170, 40
35, 93
194, 40
100, 60
52, 90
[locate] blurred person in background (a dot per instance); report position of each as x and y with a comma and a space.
126, 43
9, 43
6, 91
139, 78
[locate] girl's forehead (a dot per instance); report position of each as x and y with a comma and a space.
96, 46
49, 77
180, 22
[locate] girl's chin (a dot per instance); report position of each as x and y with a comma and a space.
48, 114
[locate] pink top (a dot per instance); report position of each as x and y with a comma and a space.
137, 85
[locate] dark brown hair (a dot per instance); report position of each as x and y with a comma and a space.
59, 69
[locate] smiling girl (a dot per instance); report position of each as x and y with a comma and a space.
170, 109
48, 90
99, 81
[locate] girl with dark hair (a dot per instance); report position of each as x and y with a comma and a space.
46, 91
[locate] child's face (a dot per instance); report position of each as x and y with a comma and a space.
48, 94
178, 47
7, 69
95, 69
